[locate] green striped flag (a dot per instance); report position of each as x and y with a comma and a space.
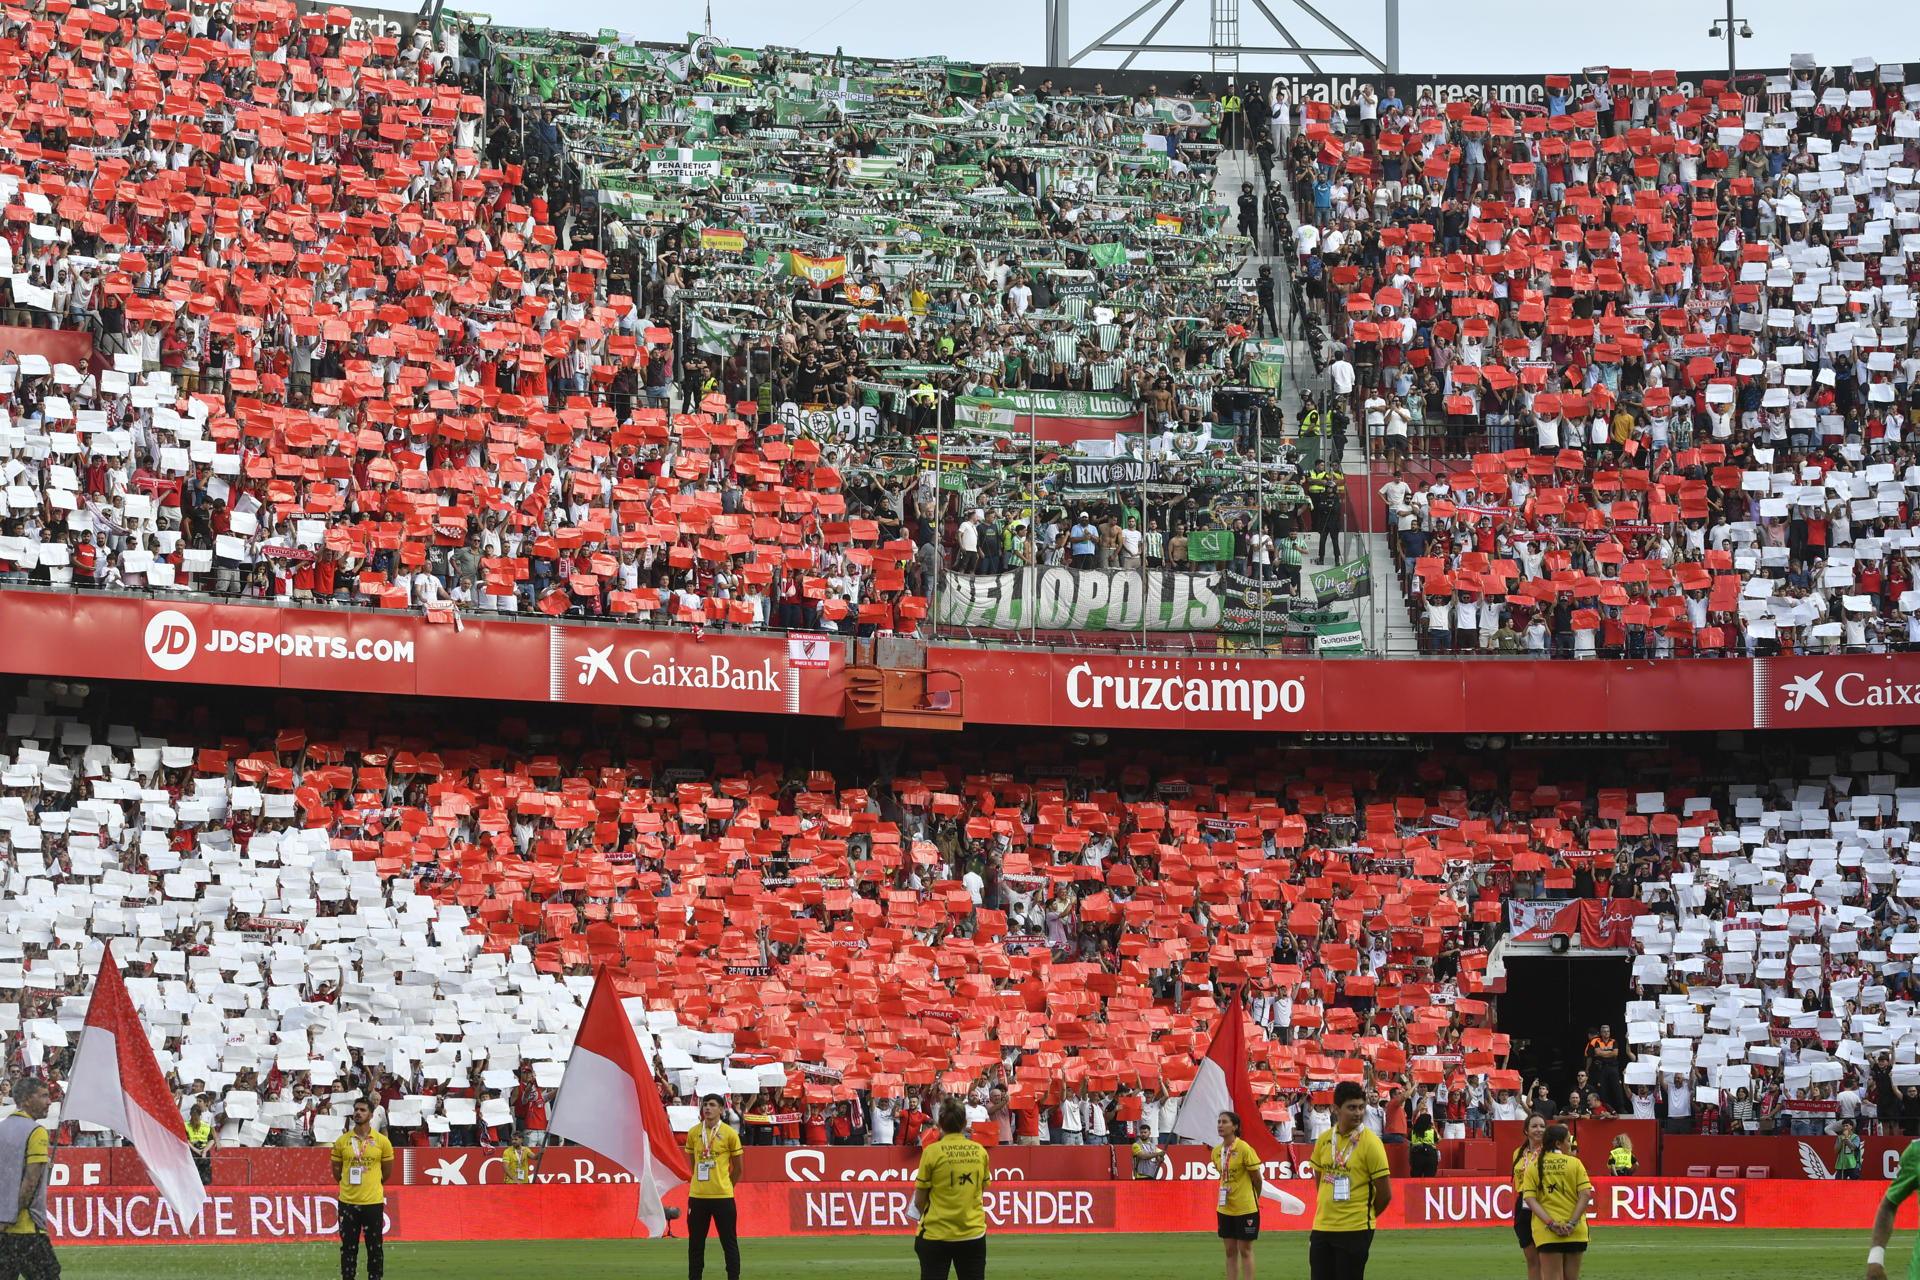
871, 168
714, 336
1108, 255
1338, 637
985, 411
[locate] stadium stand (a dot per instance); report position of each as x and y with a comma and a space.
1664, 341
366, 905
369, 325
351, 900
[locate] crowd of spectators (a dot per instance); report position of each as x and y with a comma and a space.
439, 321
314, 901
319, 902
1652, 344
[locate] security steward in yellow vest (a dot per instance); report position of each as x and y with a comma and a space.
1327, 490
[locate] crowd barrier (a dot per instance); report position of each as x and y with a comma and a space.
1796, 1158
91, 635
239, 1167
480, 1166
137, 1215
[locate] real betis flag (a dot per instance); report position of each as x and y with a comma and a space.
685, 165
986, 411
1221, 1084
821, 273
712, 335
1108, 255
872, 168
1210, 544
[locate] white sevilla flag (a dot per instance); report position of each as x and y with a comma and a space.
117, 1082
1221, 1084
608, 1103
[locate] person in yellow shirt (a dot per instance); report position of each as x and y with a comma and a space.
949, 1198
516, 1162
1352, 1189
713, 1152
1558, 1192
26, 1157
1238, 1208
1525, 1157
362, 1163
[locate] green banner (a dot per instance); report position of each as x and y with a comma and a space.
1108, 255
1350, 581
1210, 544
1339, 637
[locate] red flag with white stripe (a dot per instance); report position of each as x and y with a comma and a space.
1221, 1084
608, 1103
117, 1082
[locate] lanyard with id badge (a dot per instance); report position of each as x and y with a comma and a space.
356, 1171
703, 1169
1340, 1180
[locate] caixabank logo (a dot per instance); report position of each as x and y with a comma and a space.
1867, 690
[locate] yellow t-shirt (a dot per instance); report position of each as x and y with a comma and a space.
711, 1159
369, 1155
1236, 1178
1362, 1158
1524, 1158
517, 1164
953, 1172
37, 1153
1555, 1185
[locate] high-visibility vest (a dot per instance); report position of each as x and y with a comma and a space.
1620, 1160
1232, 104
1311, 423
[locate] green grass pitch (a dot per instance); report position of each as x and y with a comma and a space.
1640, 1253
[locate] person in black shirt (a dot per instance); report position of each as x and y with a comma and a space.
1249, 212
1263, 289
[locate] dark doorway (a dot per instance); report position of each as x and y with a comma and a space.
1553, 1003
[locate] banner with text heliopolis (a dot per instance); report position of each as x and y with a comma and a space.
1063, 599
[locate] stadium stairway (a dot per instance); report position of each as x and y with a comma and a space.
1387, 622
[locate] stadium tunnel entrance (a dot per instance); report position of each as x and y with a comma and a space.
1553, 1004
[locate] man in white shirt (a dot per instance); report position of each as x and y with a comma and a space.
1376, 411
881, 1122
1340, 373
1679, 1104
1393, 499
969, 558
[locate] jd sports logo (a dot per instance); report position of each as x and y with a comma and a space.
170, 640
